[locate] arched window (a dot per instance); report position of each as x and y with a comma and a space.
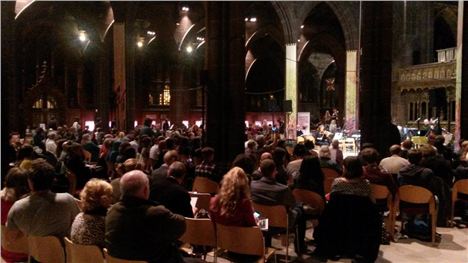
411, 111
165, 96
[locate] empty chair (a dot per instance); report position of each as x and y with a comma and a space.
277, 217
111, 259
204, 185
46, 249
202, 200
460, 186
199, 231
328, 176
381, 192
243, 240
82, 253
19, 245
311, 199
418, 195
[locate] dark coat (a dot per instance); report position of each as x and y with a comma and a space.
168, 192
267, 191
140, 229
350, 225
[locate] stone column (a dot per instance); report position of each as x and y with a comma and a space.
375, 76
225, 86
351, 114
291, 89
119, 73
130, 93
103, 87
180, 104
461, 86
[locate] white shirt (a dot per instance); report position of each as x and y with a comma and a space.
394, 163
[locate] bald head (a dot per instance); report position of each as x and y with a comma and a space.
135, 183
170, 157
266, 155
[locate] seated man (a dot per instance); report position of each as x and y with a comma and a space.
169, 191
208, 167
43, 213
139, 229
267, 191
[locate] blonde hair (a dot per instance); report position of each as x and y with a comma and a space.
96, 193
234, 188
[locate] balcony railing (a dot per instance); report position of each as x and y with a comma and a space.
427, 76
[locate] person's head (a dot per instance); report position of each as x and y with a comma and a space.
17, 180
299, 150
177, 170
414, 156
136, 184
335, 144
234, 188
246, 162
367, 145
207, 154
52, 135
170, 157
324, 152
147, 122
26, 152
41, 176
352, 167
407, 144
427, 151
279, 156
129, 165
96, 194
369, 156
395, 149
268, 168
265, 155
310, 169
252, 145
309, 145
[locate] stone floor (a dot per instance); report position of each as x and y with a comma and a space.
451, 249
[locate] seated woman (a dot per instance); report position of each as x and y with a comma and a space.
232, 206
310, 176
88, 226
16, 187
350, 225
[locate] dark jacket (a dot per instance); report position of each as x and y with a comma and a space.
168, 192
267, 191
140, 229
417, 175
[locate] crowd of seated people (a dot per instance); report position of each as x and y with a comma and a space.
127, 181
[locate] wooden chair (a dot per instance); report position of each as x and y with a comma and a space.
82, 253
243, 240
418, 195
111, 259
204, 185
460, 186
310, 198
199, 231
277, 217
20, 245
46, 249
381, 192
328, 176
203, 200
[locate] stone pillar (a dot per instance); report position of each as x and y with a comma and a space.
376, 76
103, 87
179, 95
351, 113
10, 109
291, 89
119, 73
461, 86
225, 61
130, 93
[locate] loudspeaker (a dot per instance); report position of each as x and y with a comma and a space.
287, 106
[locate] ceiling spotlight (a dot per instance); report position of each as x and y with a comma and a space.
298, 40
82, 36
302, 26
246, 19
140, 43
189, 49
177, 24
185, 8
200, 38
253, 19
150, 33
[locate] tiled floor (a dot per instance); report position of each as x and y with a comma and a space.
451, 249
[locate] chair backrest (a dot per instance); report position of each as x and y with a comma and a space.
82, 253
203, 200
460, 186
243, 240
328, 176
204, 185
276, 214
46, 249
111, 259
416, 195
309, 198
20, 245
87, 156
199, 231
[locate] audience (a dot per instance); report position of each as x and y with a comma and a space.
88, 228
395, 162
310, 176
169, 157
375, 173
207, 168
325, 159
336, 154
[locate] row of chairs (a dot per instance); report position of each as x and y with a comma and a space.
415, 195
